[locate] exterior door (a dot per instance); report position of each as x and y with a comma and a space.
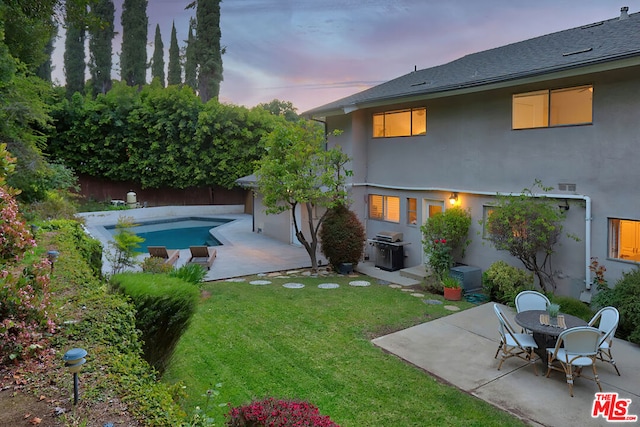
430, 207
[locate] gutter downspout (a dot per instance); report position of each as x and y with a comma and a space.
587, 220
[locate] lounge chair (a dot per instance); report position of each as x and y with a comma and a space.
202, 255
170, 256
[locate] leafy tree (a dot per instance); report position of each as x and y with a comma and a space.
281, 108
528, 227
124, 247
133, 57
174, 75
100, 46
28, 28
190, 61
298, 171
208, 50
157, 62
74, 58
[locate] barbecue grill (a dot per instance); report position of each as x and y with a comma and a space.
389, 250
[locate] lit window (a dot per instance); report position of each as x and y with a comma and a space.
624, 239
409, 122
547, 108
412, 211
384, 208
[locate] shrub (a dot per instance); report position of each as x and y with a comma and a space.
501, 282
190, 273
272, 412
573, 306
445, 238
342, 236
625, 296
156, 265
164, 308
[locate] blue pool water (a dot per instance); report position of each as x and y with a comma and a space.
176, 233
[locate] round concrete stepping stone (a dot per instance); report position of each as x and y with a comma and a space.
407, 290
328, 286
260, 282
293, 285
417, 294
236, 280
359, 283
451, 308
432, 301
394, 286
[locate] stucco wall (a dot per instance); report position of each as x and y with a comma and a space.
470, 148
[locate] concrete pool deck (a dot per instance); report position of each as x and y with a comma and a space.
242, 252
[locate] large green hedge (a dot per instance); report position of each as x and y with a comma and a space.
164, 306
159, 137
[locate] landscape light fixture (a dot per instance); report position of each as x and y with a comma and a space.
453, 198
74, 359
53, 256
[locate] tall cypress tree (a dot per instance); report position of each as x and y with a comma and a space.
74, 59
190, 61
157, 62
100, 48
174, 75
44, 70
208, 51
133, 57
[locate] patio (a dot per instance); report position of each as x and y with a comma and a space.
466, 361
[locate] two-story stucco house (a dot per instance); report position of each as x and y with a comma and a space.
563, 108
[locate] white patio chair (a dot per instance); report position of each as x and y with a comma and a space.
606, 320
575, 349
531, 300
514, 344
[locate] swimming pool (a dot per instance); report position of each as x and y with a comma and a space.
176, 233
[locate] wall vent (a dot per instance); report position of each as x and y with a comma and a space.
564, 186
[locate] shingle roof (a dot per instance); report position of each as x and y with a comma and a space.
599, 42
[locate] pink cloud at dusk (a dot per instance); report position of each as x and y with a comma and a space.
314, 52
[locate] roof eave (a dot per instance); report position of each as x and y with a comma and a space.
588, 67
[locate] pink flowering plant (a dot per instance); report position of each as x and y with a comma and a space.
24, 289
440, 258
271, 412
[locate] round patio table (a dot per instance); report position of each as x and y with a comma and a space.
545, 335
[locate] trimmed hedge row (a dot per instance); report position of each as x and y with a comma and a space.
164, 308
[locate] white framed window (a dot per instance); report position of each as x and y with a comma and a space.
412, 211
384, 208
624, 239
549, 108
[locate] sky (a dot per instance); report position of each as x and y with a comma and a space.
312, 52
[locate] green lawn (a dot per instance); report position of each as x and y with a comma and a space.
314, 344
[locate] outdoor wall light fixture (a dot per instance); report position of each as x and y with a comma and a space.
53, 256
564, 207
74, 359
453, 198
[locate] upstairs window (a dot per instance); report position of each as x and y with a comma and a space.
549, 108
384, 208
409, 122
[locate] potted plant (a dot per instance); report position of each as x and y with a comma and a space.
553, 310
452, 288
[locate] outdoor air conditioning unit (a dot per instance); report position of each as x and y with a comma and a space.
470, 277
